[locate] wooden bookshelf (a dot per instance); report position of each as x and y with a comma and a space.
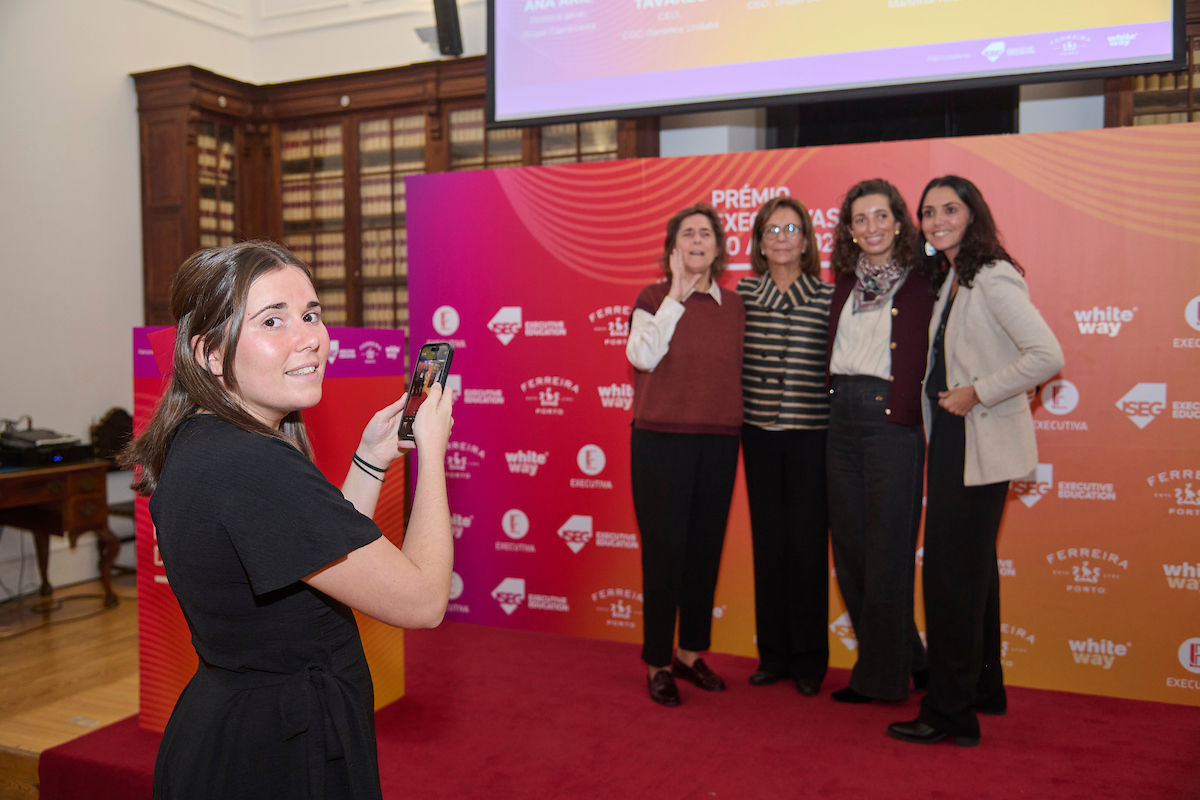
319, 165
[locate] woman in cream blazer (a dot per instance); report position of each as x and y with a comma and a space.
988, 347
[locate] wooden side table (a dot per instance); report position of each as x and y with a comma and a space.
67, 500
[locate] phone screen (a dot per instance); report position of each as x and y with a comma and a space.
428, 371
433, 363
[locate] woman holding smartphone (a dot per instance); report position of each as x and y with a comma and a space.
989, 346
265, 556
685, 344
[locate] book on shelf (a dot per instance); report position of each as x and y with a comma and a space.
297, 201
330, 256
301, 246
328, 196
333, 305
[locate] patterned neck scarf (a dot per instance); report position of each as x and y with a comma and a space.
876, 285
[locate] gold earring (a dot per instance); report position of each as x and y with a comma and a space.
854, 239
896, 232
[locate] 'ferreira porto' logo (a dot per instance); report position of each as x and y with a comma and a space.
613, 323
461, 458
550, 392
1182, 486
621, 606
1089, 569
1015, 641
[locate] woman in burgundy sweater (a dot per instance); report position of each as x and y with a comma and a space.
685, 343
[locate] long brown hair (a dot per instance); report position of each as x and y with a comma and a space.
208, 301
845, 251
717, 269
810, 259
980, 244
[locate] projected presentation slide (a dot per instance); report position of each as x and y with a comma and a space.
565, 57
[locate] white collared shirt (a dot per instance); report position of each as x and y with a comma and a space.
862, 344
650, 334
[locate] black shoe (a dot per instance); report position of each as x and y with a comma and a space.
921, 679
808, 686
918, 732
699, 674
765, 677
848, 695
663, 689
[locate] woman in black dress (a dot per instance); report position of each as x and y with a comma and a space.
265, 556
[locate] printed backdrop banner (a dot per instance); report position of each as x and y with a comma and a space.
532, 280
364, 373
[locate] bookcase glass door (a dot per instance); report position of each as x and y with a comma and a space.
473, 147
313, 192
389, 149
218, 183
573, 142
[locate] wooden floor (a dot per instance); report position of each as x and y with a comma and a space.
67, 666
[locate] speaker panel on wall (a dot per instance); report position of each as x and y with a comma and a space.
445, 12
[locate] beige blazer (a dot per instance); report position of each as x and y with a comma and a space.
998, 342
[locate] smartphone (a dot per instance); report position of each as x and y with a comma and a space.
433, 366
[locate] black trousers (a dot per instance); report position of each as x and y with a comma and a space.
962, 587
682, 487
789, 519
875, 483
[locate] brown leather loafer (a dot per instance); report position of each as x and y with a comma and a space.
699, 674
663, 689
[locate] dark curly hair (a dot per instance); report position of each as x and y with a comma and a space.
980, 244
718, 266
845, 251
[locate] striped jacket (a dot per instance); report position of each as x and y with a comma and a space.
783, 368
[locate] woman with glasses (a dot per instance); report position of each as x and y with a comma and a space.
990, 347
783, 444
878, 340
685, 344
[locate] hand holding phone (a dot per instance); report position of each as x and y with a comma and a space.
433, 366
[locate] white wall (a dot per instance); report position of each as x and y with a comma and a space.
70, 212
713, 132
1075, 106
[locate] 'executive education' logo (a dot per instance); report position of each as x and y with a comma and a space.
506, 324
576, 531
843, 629
1143, 403
1034, 486
510, 594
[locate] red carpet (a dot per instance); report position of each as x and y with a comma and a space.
501, 714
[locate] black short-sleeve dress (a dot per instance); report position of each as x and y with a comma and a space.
281, 704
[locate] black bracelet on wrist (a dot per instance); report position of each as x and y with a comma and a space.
372, 470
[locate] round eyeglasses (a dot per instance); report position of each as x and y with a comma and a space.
790, 230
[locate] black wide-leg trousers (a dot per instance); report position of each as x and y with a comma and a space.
682, 488
962, 587
875, 485
789, 521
